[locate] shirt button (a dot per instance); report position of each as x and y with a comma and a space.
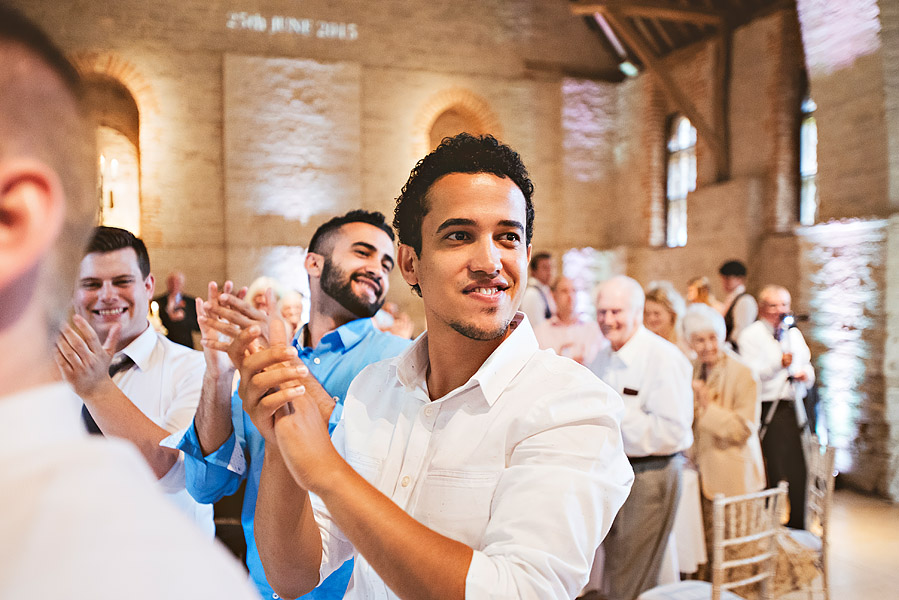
317, 360
429, 411
406, 481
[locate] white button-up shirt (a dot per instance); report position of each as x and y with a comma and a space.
744, 312
535, 301
165, 384
763, 353
523, 463
653, 377
83, 518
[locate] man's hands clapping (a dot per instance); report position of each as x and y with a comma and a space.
286, 403
83, 360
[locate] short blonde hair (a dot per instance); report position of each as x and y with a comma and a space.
662, 292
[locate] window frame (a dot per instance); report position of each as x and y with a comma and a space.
679, 157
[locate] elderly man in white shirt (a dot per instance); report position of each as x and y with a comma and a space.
654, 380
474, 465
82, 517
135, 383
781, 360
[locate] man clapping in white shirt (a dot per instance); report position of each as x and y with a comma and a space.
474, 465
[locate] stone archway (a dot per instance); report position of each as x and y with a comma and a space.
118, 98
449, 112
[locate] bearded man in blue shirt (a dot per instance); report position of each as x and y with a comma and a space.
349, 262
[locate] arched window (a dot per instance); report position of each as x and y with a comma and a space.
681, 178
808, 164
115, 112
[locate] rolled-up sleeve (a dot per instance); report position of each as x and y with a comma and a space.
554, 503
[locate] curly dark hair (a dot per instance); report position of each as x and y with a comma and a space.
110, 239
322, 235
463, 153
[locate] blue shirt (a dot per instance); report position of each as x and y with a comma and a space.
339, 357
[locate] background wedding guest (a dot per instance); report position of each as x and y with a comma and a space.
349, 261
699, 290
662, 314
291, 308
567, 332
726, 448
653, 378
256, 292
781, 360
178, 311
135, 383
739, 307
538, 303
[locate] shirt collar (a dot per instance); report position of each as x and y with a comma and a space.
540, 285
494, 375
141, 348
345, 336
39, 416
631, 348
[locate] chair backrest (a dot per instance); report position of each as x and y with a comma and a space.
743, 540
819, 497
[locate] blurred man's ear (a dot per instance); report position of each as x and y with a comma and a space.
32, 212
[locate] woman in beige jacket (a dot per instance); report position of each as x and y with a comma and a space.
726, 448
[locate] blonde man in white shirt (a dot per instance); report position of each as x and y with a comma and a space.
474, 465
653, 377
135, 383
781, 360
82, 517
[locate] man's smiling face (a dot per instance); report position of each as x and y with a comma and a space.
356, 271
111, 289
474, 256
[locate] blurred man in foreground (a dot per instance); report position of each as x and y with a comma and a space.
82, 516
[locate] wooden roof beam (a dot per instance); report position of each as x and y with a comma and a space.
651, 9
629, 36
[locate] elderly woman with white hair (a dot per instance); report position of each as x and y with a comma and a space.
726, 447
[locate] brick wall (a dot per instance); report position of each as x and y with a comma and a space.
848, 265
731, 218
209, 77
843, 286
207, 186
